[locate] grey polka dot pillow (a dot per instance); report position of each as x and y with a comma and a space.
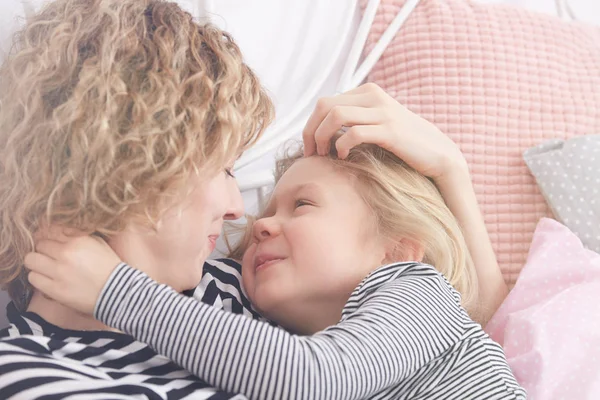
568, 175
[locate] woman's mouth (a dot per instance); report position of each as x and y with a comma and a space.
212, 240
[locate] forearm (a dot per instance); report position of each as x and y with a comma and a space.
233, 352
457, 190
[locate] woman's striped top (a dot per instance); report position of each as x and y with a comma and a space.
39, 360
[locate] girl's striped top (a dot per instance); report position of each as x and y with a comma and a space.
402, 335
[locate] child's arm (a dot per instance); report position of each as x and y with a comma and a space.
393, 331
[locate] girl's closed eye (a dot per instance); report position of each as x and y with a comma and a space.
229, 172
301, 203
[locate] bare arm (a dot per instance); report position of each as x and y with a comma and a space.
457, 190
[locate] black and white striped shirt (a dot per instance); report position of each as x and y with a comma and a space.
402, 335
40, 360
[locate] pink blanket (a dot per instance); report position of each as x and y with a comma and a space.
549, 324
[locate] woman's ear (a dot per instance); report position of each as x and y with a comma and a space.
405, 250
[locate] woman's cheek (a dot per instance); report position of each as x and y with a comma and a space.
248, 269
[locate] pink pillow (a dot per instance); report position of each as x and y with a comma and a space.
549, 325
498, 80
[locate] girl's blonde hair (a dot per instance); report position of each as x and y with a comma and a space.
407, 205
107, 107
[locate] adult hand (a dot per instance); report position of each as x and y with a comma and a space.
71, 269
372, 116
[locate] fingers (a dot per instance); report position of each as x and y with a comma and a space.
365, 105
40, 263
366, 88
51, 248
324, 107
343, 116
359, 134
42, 283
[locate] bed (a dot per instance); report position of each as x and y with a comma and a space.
499, 76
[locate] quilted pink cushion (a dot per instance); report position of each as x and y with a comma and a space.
498, 80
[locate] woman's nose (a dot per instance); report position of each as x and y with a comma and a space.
235, 208
265, 228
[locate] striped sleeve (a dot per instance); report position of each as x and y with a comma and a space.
377, 346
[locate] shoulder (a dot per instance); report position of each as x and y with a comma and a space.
221, 287
225, 272
411, 277
425, 280
225, 268
412, 292
410, 307
19, 348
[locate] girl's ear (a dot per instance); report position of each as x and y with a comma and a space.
405, 250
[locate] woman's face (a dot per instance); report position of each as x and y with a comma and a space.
315, 244
175, 252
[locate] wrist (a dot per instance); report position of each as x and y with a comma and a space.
456, 174
116, 285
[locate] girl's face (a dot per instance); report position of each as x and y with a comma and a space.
175, 252
316, 242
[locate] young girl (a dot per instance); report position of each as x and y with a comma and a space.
350, 237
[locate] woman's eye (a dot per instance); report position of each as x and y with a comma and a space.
229, 172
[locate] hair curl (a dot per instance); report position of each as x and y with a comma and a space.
106, 108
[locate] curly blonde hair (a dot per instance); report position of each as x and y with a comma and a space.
106, 108
406, 205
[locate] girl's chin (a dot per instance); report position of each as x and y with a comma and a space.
270, 304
